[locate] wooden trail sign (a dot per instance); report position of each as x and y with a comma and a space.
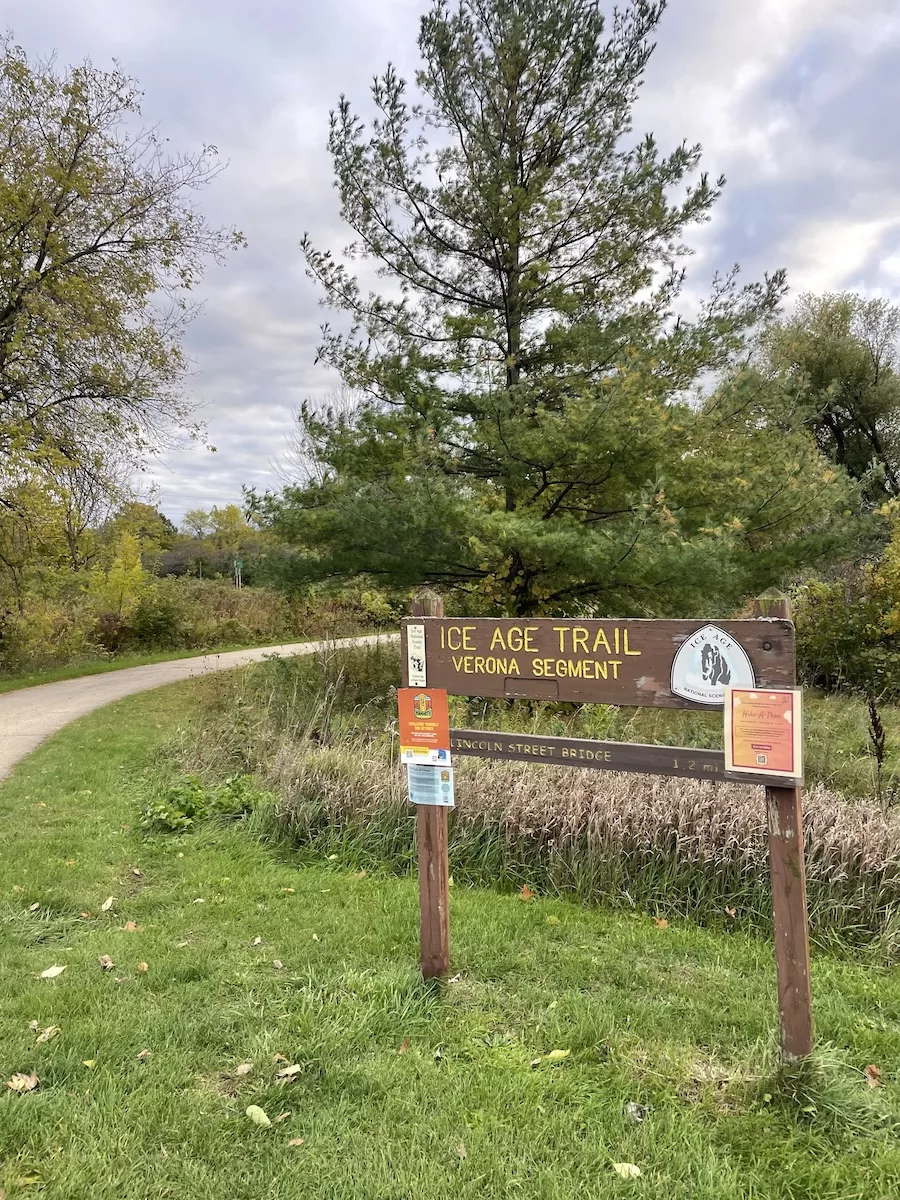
635, 663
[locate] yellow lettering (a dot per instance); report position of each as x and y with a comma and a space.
454, 630
618, 631
497, 637
561, 630
529, 641
601, 640
467, 641
579, 640
600, 668
458, 662
561, 665
537, 667
443, 639
513, 668
615, 663
627, 651
575, 669
514, 638
479, 665
467, 665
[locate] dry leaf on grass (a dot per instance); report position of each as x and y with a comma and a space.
277, 964
137, 872
557, 1056
107, 904
731, 912
286, 1074
35, 1025
143, 968
85, 916
90, 1063
873, 1075
626, 1170
33, 907
52, 972
257, 941
243, 1068
258, 1117
526, 893
283, 1116
144, 1055
106, 963
296, 1142
404, 1046
288, 891
23, 1083
46, 1034
360, 874
277, 1058
130, 927
660, 923
461, 1150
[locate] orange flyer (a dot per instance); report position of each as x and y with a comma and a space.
424, 726
764, 732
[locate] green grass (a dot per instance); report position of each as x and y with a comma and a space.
121, 661
676, 1018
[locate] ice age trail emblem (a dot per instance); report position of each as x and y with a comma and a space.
422, 706
709, 661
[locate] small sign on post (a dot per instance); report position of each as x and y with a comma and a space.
764, 732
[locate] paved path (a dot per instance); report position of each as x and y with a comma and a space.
29, 716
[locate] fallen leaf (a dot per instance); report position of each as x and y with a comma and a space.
526, 893
84, 916
554, 921
288, 891
16, 888
438, 1055
288, 1073
257, 941
660, 923
71, 862
873, 1075
296, 1142
107, 903
636, 1112
315, 937
52, 972
143, 968
277, 964
181, 945
34, 907
404, 1046
731, 912
360, 874
46, 1034
137, 872
283, 1116
121, 979
243, 1069
332, 858
90, 1063
450, 881
535, 1063
456, 978
23, 1083
144, 1055
106, 962
258, 1117
277, 1058
626, 1170
199, 900
130, 927
461, 1150
556, 1056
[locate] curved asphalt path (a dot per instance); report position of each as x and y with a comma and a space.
29, 716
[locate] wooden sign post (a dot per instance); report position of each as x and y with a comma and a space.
671, 664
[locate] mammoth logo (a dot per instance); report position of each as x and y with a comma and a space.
709, 661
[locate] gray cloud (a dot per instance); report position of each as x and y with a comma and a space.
794, 100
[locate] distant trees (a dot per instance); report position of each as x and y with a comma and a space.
840, 355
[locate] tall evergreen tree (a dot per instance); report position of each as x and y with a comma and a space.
529, 429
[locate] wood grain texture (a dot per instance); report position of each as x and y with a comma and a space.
587, 662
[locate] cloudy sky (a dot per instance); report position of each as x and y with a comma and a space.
796, 101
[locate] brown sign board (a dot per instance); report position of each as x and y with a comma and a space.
636, 663
678, 761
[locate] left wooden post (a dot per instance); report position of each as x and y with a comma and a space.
434, 861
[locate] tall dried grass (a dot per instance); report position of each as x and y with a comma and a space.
669, 846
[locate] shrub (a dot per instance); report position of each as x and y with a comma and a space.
184, 804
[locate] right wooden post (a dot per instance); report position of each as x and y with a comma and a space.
788, 873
